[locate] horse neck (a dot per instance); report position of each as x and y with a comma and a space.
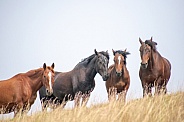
125, 72
35, 79
91, 69
154, 56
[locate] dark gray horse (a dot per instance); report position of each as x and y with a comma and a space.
78, 83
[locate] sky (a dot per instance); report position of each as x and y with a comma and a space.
67, 31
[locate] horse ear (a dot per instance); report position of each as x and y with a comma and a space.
53, 65
96, 52
140, 40
151, 39
113, 52
126, 53
125, 50
44, 66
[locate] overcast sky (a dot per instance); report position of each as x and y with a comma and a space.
66, 31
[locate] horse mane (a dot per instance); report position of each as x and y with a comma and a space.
32, 72
123, 53
152, 44
106, 54
88, 59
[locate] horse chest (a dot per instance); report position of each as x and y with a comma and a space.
149, 77
120, 84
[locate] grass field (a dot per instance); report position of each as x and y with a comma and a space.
166, 108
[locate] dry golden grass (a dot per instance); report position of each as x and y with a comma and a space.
167, 108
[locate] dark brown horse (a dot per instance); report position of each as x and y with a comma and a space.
18, 93
119, 79
155, 70
78, 83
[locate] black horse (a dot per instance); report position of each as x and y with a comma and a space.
78, 83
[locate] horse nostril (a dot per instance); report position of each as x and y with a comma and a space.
144, 65
47, 91
105, 77
118, 73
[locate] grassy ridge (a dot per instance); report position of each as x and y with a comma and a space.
167, 108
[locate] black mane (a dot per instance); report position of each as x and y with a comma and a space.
152, 44
88, 59
123, 53
106, 54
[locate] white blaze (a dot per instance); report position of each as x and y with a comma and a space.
119, 59
50, 84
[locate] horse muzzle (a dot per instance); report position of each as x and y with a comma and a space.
118, 74
49, 92
144, 65
105, 77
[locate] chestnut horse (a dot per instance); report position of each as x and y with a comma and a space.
155, 70
78, 83
18, 93
119, 79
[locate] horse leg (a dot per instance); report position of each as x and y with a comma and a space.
150, 90
77, 99
18, 109
122, 96
25, 109
157, 86
44, 103
112, 94
145, 90
164, 89
85, 99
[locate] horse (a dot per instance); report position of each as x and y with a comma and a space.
18, 93
78, 83
155, 70
119, 79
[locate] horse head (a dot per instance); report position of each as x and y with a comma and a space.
119, 61
102, 64
48, 78
145, 51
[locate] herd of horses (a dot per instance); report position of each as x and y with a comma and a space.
18, 93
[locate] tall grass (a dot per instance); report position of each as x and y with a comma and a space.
166, 108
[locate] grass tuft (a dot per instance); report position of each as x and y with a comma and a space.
164, 108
